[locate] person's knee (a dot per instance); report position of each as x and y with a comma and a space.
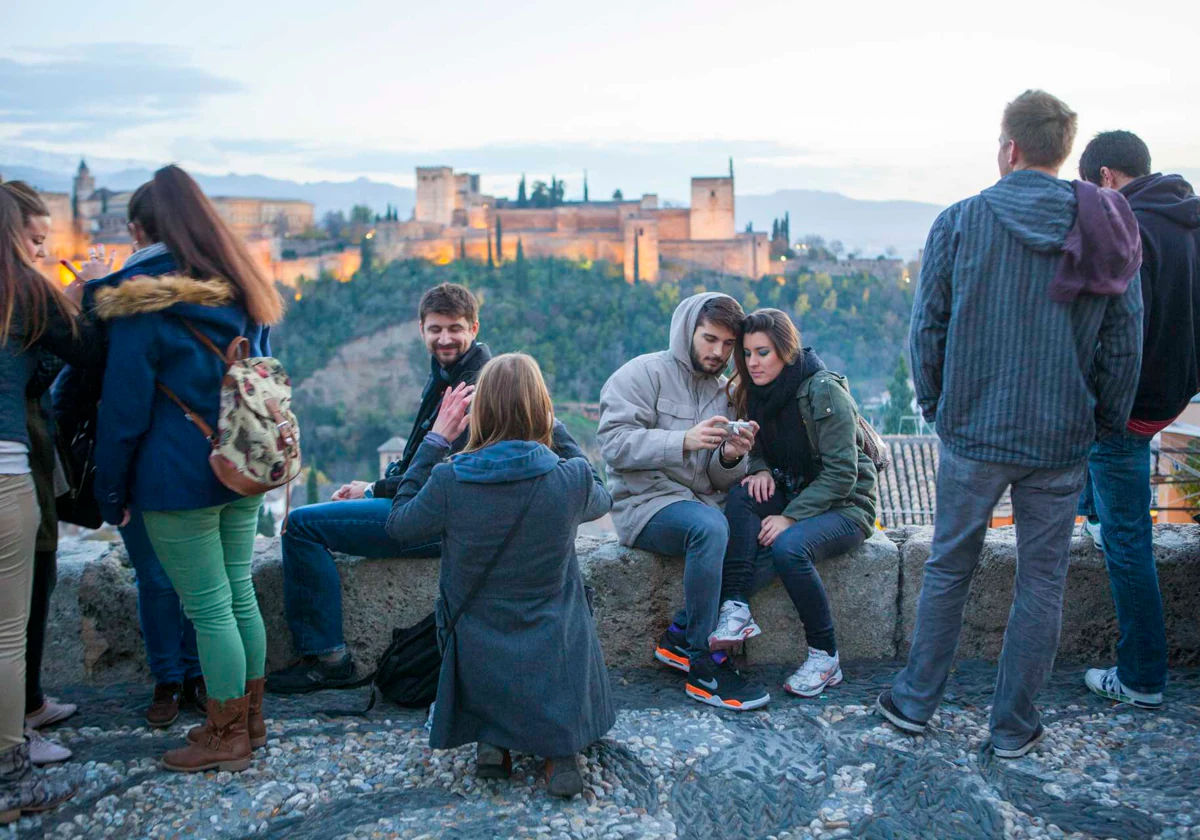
708, 530
299, 524
789, 553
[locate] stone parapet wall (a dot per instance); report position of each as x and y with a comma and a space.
95, 636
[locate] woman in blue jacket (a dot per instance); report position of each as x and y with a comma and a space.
34, 315
150, 456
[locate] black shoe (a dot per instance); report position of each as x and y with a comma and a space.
195, 694
671, 650
1036, 738
311, 674
887, 707
722, 686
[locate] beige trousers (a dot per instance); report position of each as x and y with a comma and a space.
19, 518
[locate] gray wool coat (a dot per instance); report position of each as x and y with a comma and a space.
523, 669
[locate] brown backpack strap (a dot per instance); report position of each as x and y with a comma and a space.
194, 418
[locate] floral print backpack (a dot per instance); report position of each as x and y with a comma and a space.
256, 445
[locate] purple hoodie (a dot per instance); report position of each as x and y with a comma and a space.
1103, 250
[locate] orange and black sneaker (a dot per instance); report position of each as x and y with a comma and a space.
671, 649
720, 685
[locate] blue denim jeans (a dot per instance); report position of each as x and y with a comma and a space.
312, 590
1044, 511
169, 637
698, 533
1118, 493
791, 557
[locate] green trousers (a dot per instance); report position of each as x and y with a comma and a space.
206, 553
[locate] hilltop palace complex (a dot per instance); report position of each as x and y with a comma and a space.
452, 219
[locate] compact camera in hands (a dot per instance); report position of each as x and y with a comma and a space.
735, 427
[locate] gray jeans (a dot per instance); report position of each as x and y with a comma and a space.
1044, 512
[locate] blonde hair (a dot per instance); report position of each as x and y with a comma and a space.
1042, 126
511, 403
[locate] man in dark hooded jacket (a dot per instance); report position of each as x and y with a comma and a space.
354, 522
1116, 499
1026, 342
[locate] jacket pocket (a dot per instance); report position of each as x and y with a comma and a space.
673, 415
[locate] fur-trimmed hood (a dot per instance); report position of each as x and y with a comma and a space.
143, 295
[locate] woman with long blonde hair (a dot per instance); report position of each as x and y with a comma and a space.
522, 668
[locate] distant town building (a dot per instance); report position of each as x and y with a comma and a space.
452, 219
392, 450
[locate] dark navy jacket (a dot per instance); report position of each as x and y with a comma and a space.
147, 452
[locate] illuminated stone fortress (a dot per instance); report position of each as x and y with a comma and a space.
453, 220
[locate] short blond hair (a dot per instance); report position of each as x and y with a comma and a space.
1042, 126
511, 403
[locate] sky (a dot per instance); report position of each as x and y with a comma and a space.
876, 100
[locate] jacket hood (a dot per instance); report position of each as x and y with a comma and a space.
1103, 250
810, 363
509, 460
1037, 209
144, 295
1169, 196
683, 326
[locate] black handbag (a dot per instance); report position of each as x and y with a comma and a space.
78, 505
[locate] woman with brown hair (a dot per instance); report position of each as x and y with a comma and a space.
48, 479
34, 315
150, 457
810, 493
522, 667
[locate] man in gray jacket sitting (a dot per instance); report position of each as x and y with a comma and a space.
671, 458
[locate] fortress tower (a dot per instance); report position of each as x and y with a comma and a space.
712, 208
436, 193
82, 188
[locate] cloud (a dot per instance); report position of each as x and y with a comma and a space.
94, 90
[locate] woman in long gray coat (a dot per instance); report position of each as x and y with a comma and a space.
522, 667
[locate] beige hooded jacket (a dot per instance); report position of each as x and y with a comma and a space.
646, 408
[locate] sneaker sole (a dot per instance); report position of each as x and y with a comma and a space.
1023, 749
906, 726
1125, 699
836, 679
35, 723
710, 699
672, 660
729, 644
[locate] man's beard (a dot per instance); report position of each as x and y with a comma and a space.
699, 367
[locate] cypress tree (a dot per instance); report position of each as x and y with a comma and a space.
310, 485
499, 240
491, 261
462, 248
585, 194
774, 229
637, 254
522, 199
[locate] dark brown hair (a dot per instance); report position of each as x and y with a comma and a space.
723, 311
510, 403
173, 210
1042, 126
449, 299
25, 295
27, 199
782, 334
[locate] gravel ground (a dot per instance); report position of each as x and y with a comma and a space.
671, 768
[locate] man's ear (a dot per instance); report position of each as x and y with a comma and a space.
1106, 178
1014, 154
475, 329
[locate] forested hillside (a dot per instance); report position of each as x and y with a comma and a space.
581, 321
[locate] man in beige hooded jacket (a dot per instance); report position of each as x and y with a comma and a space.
664, 436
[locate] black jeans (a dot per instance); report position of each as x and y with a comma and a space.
45, 575
793, 554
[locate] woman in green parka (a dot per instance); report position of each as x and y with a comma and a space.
810, 493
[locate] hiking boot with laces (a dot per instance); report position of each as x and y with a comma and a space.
720, 685
734, 626
1107, 684
164, 708
24, 790
819, 671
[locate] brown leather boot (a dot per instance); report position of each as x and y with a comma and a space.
224, 743
256, 727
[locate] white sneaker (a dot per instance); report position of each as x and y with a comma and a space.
43, 751
734, 626
1107, 684
819, 671
51, 712
1092, 529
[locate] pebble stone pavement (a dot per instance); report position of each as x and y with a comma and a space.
670, 768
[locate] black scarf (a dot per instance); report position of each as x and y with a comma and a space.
441, 379
782, 438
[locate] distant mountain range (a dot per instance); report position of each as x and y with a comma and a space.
869, 227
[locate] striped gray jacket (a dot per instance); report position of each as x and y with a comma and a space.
1008, 375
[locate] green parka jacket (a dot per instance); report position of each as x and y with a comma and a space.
846, 481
